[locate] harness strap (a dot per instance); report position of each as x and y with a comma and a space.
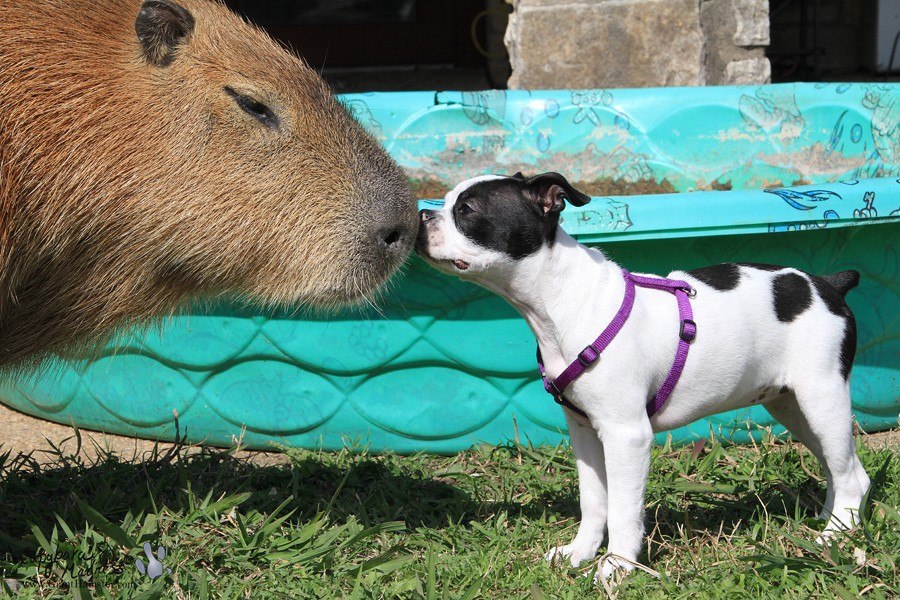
686, 334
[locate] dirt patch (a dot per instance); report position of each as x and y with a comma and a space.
429, 189
23, 434
885, 439
816, 159
610, 187
436, 189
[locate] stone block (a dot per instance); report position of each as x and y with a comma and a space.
609, 43
751, 22
724, 22
751, 71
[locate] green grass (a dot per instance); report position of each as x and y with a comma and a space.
723, 521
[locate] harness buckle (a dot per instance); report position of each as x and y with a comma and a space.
587, 357
550, 386
688, 330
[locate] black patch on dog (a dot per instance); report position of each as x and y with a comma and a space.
496, 214
848, 347
761, 266
833, 297
791, 295
722, 277
844, 281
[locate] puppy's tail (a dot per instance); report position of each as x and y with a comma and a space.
843, 281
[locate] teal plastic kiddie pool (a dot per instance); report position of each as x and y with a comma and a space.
446, 364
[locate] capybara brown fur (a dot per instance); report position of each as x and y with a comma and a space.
159, 151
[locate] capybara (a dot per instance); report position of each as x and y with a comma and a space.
158, 151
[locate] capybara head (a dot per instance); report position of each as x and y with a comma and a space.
254, 135
155, 151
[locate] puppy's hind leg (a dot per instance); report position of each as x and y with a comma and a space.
818, 414
589, 460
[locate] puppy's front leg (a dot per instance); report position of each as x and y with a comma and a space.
591, 491
627, 450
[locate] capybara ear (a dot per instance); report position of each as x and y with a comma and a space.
552, 190
161, 27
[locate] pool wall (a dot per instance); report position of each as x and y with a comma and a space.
442, 364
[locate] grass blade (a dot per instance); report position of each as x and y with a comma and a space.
110, 530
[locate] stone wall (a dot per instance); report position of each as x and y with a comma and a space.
637, 43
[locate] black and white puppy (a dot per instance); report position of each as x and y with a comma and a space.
769, 335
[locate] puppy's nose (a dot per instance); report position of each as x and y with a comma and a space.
426, 215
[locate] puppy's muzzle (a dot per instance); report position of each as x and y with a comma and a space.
427, 220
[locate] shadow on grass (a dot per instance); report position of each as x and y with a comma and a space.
372, 489
422, 491
710, 513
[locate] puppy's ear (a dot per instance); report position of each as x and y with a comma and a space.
552, 190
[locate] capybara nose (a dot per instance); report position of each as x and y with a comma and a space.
393, 239
390, 237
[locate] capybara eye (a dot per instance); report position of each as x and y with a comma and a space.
254, 108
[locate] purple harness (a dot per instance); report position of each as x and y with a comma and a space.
686, 334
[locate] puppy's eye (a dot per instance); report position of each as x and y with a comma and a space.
253, 107
465, 208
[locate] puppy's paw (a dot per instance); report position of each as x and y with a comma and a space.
838, 522
824, 538
614, 568
572, 552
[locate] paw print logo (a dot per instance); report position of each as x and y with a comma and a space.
869, 211
154, 567
586, 101
366, 337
